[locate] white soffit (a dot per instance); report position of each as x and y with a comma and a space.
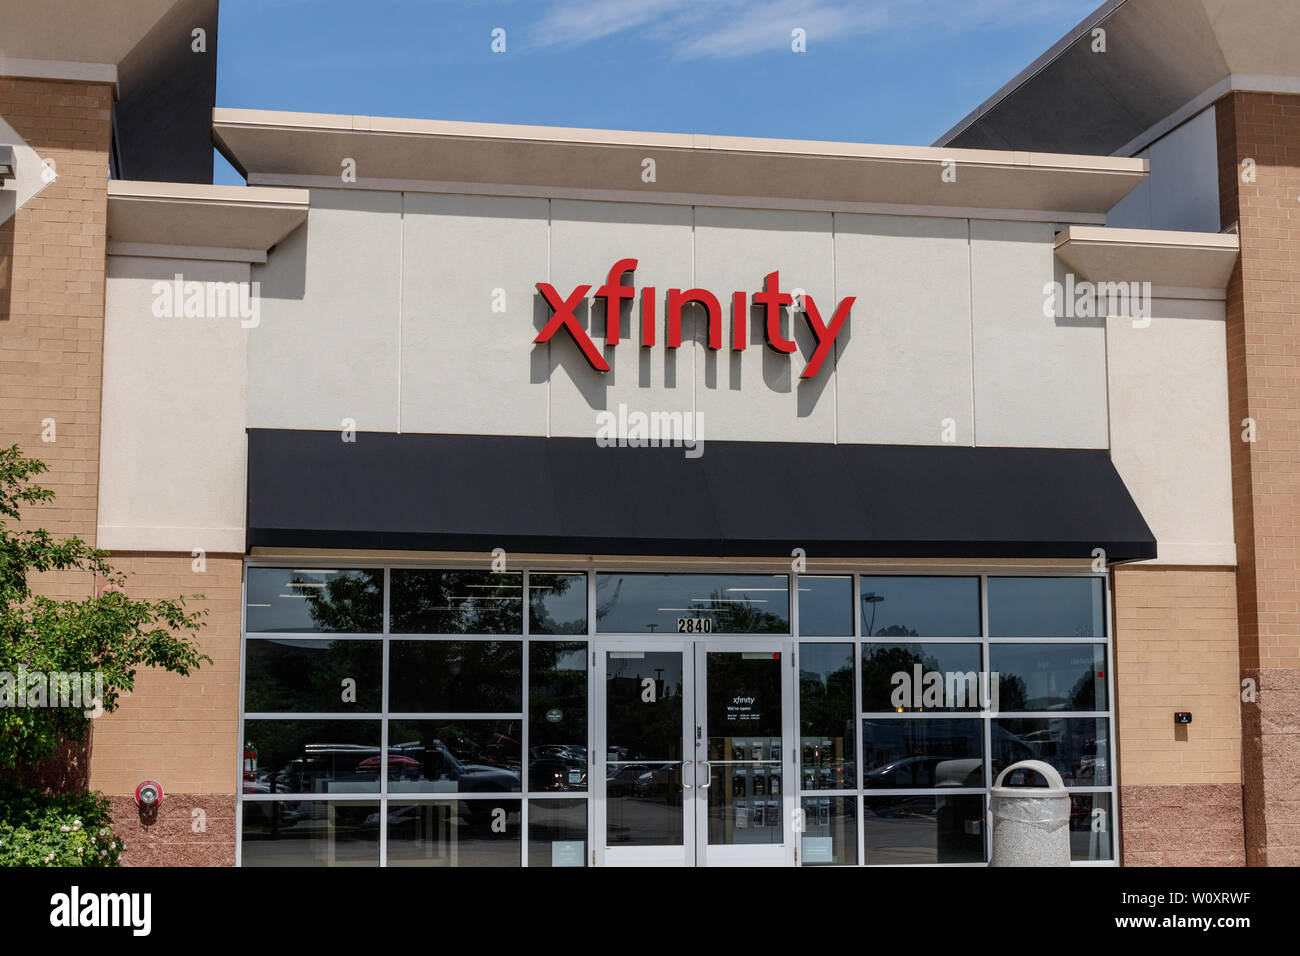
311, 148
189, 215
1188, 260
77, 31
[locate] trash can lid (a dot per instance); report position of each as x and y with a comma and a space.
1055, 785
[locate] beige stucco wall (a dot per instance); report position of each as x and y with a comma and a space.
1170, 433
383, 306
172, 470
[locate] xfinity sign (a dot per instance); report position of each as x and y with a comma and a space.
771, 298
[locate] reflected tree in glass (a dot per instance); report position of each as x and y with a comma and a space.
456, 602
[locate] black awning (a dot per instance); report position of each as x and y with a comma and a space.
311, 489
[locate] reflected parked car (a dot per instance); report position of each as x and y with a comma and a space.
621, 780
435, 762
556, 768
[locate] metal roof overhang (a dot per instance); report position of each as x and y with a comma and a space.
1160, 57
303, 149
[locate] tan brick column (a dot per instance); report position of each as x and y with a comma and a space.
52, 260
1263, 327
52, 296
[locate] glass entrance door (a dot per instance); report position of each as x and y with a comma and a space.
644, 732
744, 749
697, 741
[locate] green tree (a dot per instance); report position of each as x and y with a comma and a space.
109, 634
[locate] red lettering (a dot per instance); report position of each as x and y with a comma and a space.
564, 318
739, 321
825, 337
614, 293
677, 298
648, 315
772, 298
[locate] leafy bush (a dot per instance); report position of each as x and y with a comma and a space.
107, 634
61, 829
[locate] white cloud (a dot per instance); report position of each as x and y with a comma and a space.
733, 28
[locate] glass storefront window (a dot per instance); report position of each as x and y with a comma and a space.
557, 833
919, 752
1090, 826
825, 606
643, 603
453, 756
909, 678
454, 833
830, 831
307, 600
1078, 747
310, 833
826, 737
557, 603
1046, 607
921, 606
456, 602
455, 677
312, 756
332, 755
924, 829
557, 716
1049, 676
313, 675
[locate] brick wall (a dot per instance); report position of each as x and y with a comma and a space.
52, 298
52, 325
180, 731
1263, 322
1176, 650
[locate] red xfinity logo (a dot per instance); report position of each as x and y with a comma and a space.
613, 292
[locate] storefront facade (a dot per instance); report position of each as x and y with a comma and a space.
650, 746
575, 497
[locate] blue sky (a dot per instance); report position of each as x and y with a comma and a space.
883, 71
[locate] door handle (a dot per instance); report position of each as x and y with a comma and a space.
685, 766
708, 774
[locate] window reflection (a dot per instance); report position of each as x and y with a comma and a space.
1091, 826
645, 725
557, 714
929, 606
310, 833
1046, 607
1076, 746
456, 602
453, 756
641, 603
557, 603
454, 833
305, 600
826, 744
455, 677
922, 753
308, 675
924, 829
908, 678
311, 756
557, 833
1050, 676
825, 606
830, 831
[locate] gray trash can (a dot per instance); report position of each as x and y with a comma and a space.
1031, 825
